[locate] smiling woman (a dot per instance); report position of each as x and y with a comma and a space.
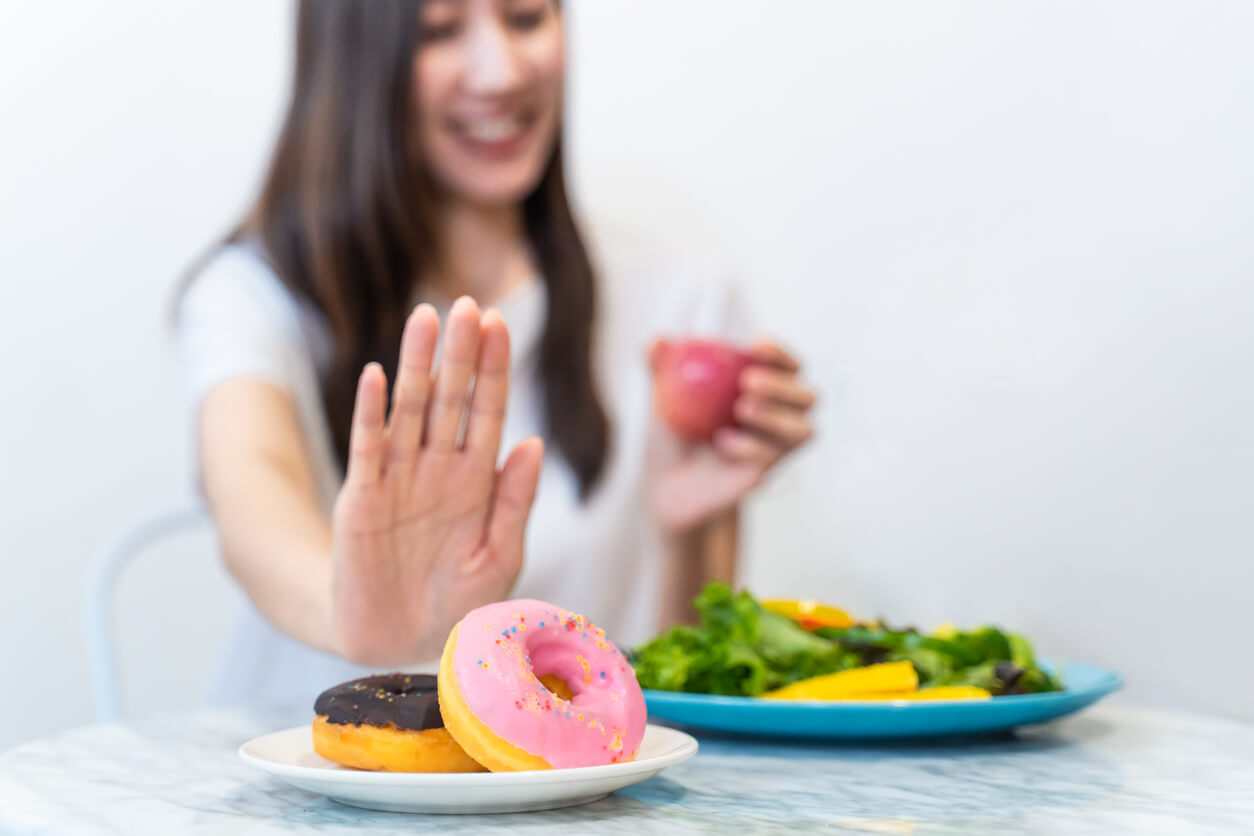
421, 163
376, 171
482, 147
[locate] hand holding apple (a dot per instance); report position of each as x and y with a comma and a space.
750, 406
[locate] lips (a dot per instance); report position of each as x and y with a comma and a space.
492, 130
493, 136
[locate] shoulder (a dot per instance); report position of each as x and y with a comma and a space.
236, 318
664, 286
236, 284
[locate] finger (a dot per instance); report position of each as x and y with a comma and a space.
768, 352
413, 386
781, 423
742, 446
657, 350
515, 493
365, 440
491, 392
457, 364
766, 383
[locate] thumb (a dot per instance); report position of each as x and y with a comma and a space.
515, 493
658, 350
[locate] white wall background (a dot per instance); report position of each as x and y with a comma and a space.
1012, 240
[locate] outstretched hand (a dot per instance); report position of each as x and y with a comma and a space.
426, 527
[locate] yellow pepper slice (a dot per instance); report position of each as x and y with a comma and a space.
872, 679
810, 615
940, 692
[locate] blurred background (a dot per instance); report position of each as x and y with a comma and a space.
1013, 242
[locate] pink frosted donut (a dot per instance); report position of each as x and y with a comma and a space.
495, 705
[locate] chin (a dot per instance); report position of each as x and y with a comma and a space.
491, 176
498, 190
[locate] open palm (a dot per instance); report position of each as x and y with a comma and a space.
426, 527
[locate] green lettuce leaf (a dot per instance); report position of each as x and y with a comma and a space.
741, 649
738, 649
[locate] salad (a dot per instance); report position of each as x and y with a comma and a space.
804, 650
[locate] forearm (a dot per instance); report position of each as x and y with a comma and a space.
693, 558
720, 549
277, 543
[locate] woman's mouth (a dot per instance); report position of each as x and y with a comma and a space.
493, 137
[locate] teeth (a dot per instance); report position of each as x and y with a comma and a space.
491, 130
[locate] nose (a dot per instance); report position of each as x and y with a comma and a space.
492, 66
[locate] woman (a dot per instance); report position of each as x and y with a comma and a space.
420, 162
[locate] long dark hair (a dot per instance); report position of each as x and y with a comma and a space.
347, 214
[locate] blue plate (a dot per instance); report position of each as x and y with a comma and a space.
1085, 685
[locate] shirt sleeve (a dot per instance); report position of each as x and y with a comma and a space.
236, 321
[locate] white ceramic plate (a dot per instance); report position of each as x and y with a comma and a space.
290, 755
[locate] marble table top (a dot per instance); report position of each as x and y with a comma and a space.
1109, 770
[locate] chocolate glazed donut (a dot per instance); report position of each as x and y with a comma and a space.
407, 701
390, 723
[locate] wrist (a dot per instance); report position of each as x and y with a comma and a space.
365, 640
688, 522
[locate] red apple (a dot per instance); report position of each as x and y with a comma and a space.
696, 383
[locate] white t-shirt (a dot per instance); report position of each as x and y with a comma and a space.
600, 557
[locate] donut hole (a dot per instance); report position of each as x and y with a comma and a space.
556, 685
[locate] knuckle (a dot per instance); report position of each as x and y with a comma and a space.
365, 448
411, 399
449, 399
486, 405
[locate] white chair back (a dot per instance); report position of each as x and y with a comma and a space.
103, 575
